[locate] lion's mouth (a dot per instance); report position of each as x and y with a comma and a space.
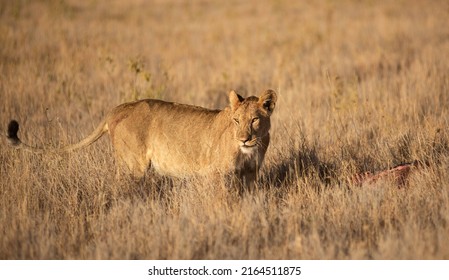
248, 148
245, 149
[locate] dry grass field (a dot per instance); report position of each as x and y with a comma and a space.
362, 85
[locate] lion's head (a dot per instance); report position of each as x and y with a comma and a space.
251, 117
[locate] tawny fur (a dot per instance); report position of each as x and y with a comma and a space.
182, 140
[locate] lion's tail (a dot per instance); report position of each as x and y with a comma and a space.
15, 141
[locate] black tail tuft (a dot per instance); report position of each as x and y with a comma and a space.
13, 128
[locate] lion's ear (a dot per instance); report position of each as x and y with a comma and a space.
268, 100
234, 100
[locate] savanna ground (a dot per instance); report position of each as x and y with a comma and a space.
363, 86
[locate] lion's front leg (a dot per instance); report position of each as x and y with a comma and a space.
249, 181
245, 181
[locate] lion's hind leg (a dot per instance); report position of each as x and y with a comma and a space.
130, 163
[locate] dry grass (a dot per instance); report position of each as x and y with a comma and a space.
363, 85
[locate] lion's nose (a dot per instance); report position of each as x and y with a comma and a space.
245, 139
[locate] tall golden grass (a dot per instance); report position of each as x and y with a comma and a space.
363, 85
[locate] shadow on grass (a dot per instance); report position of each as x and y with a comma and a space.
301, 163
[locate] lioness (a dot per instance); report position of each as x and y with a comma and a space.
183, 140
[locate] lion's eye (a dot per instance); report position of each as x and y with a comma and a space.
236, 121
255, 120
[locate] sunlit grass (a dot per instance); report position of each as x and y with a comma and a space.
363, 86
